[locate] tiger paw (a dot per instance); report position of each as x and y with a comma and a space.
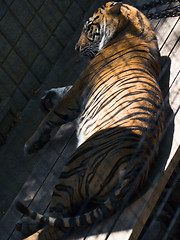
51, 98
48, 101
37, 141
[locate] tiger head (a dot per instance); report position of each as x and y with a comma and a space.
101, 28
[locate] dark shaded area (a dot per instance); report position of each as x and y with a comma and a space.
164, 220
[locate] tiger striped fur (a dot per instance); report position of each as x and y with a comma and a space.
119, 110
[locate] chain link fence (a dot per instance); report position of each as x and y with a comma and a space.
37, 53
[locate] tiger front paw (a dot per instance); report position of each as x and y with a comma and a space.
51, 98
37, 141
48, 101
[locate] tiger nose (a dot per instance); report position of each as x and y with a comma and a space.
77, 47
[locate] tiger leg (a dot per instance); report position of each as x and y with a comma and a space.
51, 98
67, 109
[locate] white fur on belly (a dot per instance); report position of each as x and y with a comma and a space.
81, 138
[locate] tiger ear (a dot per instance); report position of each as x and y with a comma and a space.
115, 9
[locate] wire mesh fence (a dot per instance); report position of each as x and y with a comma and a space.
37, 53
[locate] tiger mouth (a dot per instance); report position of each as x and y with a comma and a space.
88, 53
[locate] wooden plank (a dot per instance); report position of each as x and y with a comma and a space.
172, 48
170, 34
159, 187
34, 189
169, 47
42, 198
175, 105
156, 23
163, 30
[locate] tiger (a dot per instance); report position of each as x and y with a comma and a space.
119, 112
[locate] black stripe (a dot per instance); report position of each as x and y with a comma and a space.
71, 172
80, 154
143, 119
148, 109
119, 54
64, 188
110, 60
83, 220
95, 18
122, 82
126, 82
98, 106
44, 221
33, 215
59, 223
121, 119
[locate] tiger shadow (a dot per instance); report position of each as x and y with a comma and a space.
125, 221
167, 137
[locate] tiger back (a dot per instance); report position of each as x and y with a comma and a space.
119, 110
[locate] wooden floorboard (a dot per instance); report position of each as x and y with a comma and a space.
37, 189
156, 192
168, 33
164, 29
172, 49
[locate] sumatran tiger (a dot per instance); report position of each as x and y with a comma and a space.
119, 110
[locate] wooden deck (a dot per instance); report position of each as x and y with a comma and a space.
37, 189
